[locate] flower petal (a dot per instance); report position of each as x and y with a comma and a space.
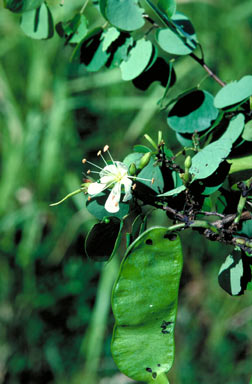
108, 179
108, 170
127, 186
95, 188
112, 203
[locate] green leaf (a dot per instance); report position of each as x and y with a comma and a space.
141, 148
234, 128
185, 140
108, 37
73, 30
192, 112
92, 54
246, 229
234, 92
247, 133
172, 43
235, 273
96, 207
174, 191
103, 239
123, 14
167, 6
80, 32
120, 50
158, 70
22, 5
133, 158
138, 59
185, 28
38, 23
144, 302
152, 172
205, 162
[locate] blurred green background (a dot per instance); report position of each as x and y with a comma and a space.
55, 316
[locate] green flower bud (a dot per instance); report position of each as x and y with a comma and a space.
188, 163
132, 169
144, 160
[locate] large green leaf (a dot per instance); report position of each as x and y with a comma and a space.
193, 112
138, 59
209, 158
234, 92
22, 5
123, 14
144, 302
235, 273
103, 239
38, 23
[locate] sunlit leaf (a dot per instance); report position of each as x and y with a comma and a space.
235, 128
174, 191
235, 273
123, 14
137, 61
38, 23
172, 43
205, 162
192, 112
144, 303
247, 133
234, 92
92, 54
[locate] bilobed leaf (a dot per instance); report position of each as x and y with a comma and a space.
234, 128
38, 23
172, 43
247, 133
144, 302
80, 31
234, 92
103, 239
184, 139
246, 229
185, 28
92, 54
235, 273
96, 207
192, 112
168, 7
22, 5
137, 61
123, 14
205, 162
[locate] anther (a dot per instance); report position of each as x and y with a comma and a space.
89, 198
89, 171
84, 161
152, 180
99, 153
133, 187
105, 148
116, 204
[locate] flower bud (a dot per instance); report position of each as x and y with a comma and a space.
132, 169
188, 163
144, 160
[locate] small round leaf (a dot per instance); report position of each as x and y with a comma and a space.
234, 92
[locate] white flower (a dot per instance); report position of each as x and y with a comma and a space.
114, 175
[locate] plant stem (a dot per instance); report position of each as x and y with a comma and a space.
207, 69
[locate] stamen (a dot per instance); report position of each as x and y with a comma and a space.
141, 178
133, 187
106, 149
99, 153
116, 204
89, 198
84, 161
88, 171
